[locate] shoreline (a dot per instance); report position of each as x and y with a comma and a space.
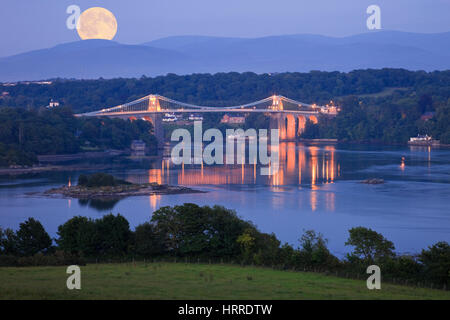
46, 168
80, 156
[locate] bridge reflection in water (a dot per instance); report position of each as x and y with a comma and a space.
301, 166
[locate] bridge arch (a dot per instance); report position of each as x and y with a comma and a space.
149, 119
291, 132
313, 119
301, 124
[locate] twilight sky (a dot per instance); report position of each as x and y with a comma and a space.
34, 24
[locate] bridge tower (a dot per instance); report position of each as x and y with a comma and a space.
158, 129
155, 118
153, 103
277, 103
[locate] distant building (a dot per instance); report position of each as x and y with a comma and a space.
138, 148
427, 116
12, 84
232, 119
421, 140
330, 108
53, 104
170, 117
195, 117
41, 82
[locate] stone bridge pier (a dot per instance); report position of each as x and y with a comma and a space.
158, 129
290, 125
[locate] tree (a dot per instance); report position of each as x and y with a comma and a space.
8, 242
147, 242
267, 249
436, 261
32, 238
224, 227
247, 244
425, 103
112, 235
77, 236
369, 246
1, 240
403, 267
314, 251
83, 180
441, 123
193, 230
27, 133
99, 179
181, 227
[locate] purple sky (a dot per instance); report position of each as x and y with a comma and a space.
34, 24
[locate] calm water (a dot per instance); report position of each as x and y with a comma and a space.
316, 188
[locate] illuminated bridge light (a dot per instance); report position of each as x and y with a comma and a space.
154, 101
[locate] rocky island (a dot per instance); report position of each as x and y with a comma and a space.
373, 181
103, 186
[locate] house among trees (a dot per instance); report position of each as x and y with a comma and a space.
53, 104
427, 116
232, 119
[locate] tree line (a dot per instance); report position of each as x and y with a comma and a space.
191, 232
222, 89
367, 114
390, 121
384, 105
24, 134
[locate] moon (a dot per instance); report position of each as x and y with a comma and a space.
97, 23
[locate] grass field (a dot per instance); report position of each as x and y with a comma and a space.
193, 281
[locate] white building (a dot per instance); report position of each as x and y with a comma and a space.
194, 117
170, 117
53, 104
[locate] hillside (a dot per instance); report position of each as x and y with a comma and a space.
193, 281
193, 54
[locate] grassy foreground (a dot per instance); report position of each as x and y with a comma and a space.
193, 281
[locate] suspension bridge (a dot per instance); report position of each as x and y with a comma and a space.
287, 115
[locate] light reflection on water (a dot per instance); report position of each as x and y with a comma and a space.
298, 165
317, 187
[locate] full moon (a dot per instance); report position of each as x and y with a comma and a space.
97, 23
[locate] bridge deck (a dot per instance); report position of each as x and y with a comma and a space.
155, 104
131, 113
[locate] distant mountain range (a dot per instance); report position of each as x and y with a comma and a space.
199, 54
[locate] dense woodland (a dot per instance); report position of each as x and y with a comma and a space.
384, 106
232, 88
192, 233
386, 121
24, 134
